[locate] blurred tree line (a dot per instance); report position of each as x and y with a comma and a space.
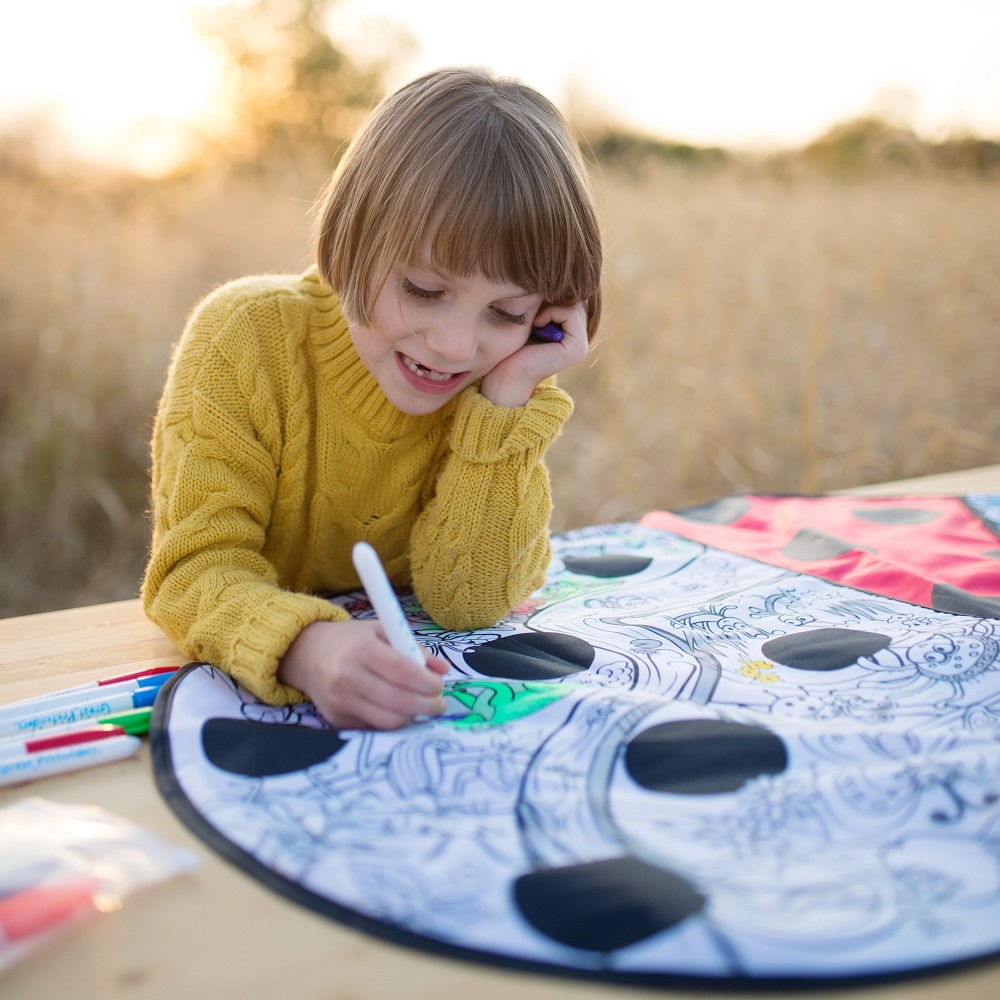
288, 86
290, 94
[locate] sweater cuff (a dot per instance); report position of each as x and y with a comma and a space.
264, 637
485, 432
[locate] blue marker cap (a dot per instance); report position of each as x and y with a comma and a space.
551, 332
144, 697
154, 681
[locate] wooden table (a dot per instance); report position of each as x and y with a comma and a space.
219, 933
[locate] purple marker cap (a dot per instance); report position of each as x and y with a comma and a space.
551, 332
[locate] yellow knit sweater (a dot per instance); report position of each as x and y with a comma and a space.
274, 450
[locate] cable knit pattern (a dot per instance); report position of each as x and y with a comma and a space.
274, 450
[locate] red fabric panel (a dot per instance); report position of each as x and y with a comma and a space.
920, 541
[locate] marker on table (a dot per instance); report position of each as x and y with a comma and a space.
12, 749
134, 675
134, 722
69, 754
385, 602
84, 693
40, 717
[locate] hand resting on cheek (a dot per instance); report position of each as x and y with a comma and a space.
513, 380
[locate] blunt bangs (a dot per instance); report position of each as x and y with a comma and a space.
483, 175
501, 214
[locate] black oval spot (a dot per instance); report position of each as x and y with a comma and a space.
608, 566
723, 511
262, 750
703, 756
605, 905
808, 544
896, 515
945, 597
531, 656
823, 648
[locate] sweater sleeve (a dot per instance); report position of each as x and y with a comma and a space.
217, 447
481, 544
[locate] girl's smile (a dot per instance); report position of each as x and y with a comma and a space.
427, 379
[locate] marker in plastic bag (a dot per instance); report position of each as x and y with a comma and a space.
42, 909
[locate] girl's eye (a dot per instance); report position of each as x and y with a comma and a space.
421, 293
507, 317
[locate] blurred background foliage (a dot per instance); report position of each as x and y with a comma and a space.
805, 320
288, 87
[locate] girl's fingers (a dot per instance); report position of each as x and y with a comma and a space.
438, 664
362, 682
398, 697
571, 318
399, 672
380, 715
344, 720
373, 705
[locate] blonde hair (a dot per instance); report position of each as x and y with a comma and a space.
483, 167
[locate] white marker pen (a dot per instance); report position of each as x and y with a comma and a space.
385, 603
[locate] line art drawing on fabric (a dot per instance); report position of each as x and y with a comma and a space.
672, 761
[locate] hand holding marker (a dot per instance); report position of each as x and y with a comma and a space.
386, 605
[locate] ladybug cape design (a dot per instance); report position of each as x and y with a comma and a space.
712, 747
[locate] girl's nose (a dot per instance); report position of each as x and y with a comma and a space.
453, 343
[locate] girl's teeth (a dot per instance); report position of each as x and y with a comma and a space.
428, 373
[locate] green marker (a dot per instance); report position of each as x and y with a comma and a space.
134, 722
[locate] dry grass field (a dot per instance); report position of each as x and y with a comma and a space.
765, 330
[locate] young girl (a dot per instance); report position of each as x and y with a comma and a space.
393, 395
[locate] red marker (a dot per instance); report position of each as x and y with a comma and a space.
58, 741
38, 757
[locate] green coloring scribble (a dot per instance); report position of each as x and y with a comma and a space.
492, 703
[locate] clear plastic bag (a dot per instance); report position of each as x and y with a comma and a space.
60, 864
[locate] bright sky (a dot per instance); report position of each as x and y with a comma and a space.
736, 72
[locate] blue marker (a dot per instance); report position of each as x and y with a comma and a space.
551, 333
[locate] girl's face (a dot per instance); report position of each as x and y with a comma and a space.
432, 334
